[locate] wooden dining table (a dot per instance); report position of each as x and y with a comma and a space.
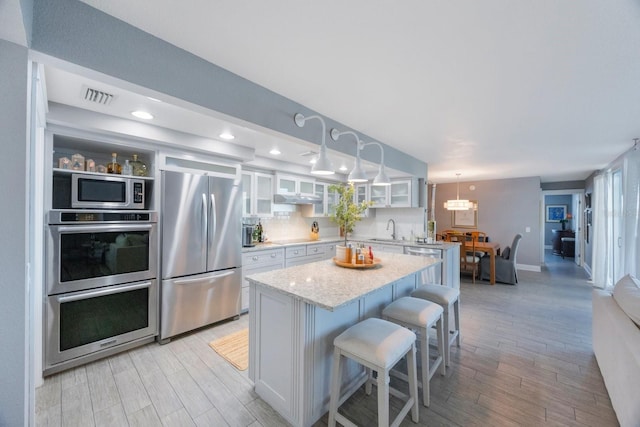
492, 249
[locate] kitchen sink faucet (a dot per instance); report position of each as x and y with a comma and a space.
393, 230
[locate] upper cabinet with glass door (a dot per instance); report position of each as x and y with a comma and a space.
329, 200
257, 194
361, 194
402, 193
290, 184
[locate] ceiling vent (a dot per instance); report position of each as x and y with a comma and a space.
308, 153
97, 96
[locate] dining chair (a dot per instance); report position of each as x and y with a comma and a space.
479, 236
469, 260
506, 271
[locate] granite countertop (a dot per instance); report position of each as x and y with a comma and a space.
371, 240
378, 241
275, 244
326, 285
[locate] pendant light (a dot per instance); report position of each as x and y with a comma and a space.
323, 165
357, 174
382, 178
457, 204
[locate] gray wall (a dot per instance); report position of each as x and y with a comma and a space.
505, 207
557, 199
13, 251
77, 33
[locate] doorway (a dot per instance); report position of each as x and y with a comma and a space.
553, 203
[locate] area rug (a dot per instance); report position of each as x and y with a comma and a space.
234, 348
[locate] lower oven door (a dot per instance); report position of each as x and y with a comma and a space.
86, 322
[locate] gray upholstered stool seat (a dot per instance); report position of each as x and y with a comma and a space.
447, 298
420, 316
377, 345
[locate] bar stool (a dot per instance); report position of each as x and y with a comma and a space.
377, 345
420, 315
446, 297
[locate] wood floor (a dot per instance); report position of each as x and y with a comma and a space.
525, 359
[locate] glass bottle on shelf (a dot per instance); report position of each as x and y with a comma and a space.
127, 169
114, 166
138, 167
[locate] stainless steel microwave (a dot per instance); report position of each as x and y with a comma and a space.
85, 191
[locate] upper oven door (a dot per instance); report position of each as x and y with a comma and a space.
90, 256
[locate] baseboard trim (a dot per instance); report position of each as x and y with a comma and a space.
527, 267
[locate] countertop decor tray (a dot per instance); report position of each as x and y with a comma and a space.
376, 263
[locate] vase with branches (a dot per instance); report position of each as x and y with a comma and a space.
346, 212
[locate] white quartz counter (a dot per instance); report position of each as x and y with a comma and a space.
326, 285
293, 242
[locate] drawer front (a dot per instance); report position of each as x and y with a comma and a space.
261, 257
295, 252
315, 250
330, 250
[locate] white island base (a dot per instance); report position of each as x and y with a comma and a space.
296, 313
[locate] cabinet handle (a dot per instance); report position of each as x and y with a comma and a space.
315, 249
273, 255
255, 258
295, 252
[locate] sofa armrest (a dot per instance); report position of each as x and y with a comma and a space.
616, 344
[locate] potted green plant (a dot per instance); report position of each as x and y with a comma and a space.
346, 212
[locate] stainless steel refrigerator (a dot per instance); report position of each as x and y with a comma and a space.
201, 251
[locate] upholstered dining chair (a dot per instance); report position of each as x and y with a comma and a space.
505, 264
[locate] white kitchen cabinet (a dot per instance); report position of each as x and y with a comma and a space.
362, 194
402, 193
255, 262
257, 194
329, 200
304, 254
290, 184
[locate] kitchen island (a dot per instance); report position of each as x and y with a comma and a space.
295, 313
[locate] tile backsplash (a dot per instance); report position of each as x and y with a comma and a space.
292, 225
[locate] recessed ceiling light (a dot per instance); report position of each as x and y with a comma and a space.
313, 161
226, 135
275, 152
153, 99
142, 115
343, 168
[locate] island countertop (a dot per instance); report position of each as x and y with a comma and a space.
326, 285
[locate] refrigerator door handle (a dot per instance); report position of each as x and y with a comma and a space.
210, 279
213, 218
205, 225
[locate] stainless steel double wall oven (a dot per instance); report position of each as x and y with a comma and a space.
101, 284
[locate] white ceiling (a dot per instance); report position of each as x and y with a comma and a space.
489, 89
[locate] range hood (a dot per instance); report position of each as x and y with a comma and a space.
296, 199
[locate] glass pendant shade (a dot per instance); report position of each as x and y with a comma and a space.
458, 204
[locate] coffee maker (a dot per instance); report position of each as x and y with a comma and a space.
247, 235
